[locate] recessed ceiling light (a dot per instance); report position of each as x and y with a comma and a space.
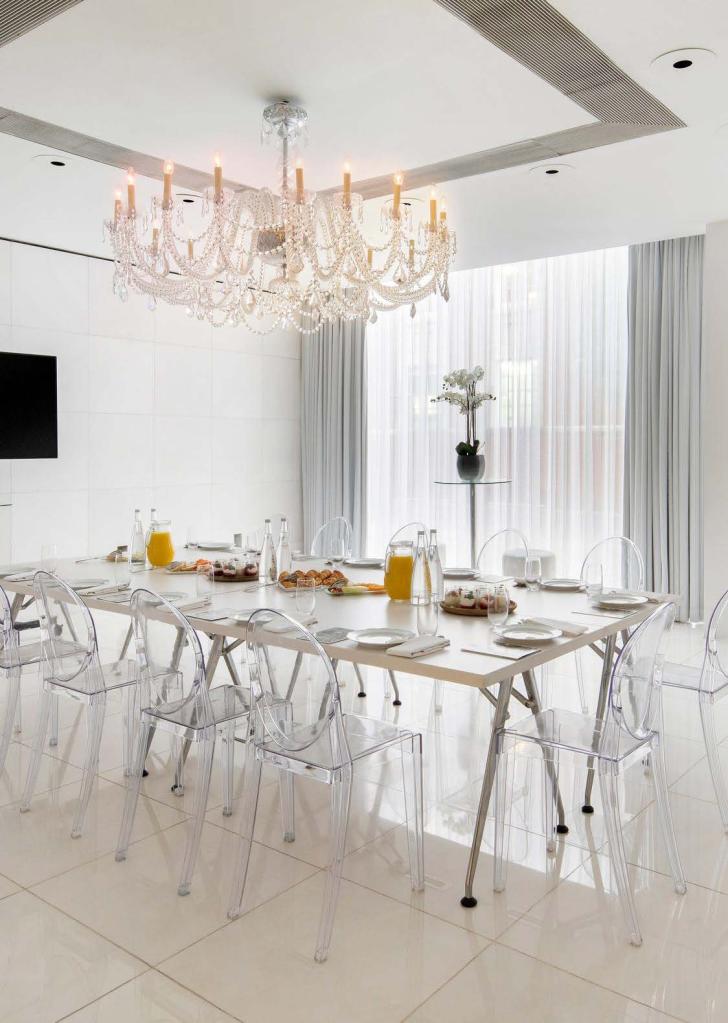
689, 58
52, 159
551, 170
188, 197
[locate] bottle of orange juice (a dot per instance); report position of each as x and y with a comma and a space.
398, 570
160, 549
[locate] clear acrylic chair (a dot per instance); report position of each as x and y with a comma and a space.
10, 671
622, 568
490, 560
72, 668
309, 735
709, 682
172, 695
336, 529
632, 727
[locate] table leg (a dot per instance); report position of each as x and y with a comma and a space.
529, 682
473, 544
607, 665
499, 719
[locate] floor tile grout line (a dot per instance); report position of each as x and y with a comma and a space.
448, 981
117, 987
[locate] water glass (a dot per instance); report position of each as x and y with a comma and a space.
338, 550
532, 573
205, 580
49, 557
593, 579
428, 616
498, 604
305, 595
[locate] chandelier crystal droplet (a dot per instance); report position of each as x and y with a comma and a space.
283, 259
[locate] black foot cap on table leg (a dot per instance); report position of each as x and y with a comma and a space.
587, 808
145, 773
468, 901
562, 829
396, 703
362, 695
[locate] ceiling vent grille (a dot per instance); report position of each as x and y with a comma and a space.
543, 40
20, 16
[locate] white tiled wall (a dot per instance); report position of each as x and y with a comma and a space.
154, 409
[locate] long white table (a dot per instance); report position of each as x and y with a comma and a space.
493, 677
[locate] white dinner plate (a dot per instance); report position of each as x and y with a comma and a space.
213, 545
172, 595
379, 639
364, 562
85, 584
525, 635
459, 573
565, 585
620, 601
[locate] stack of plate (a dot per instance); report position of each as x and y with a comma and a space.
617, 601
459, 573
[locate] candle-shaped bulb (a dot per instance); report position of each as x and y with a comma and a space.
131, 191
155, 237
167, 194
411, 254
347, 184
443, 214
433, 209
299, 181
190, 249
218, 178
370, 257
397, 195
117, 205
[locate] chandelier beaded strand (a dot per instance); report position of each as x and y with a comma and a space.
271, 260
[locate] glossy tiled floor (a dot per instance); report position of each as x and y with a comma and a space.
87, 939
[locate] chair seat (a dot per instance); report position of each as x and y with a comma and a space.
228, 703
682, 676
116, 674
31, 653
580, 733
364, 735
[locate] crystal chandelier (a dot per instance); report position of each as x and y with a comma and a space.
291, 258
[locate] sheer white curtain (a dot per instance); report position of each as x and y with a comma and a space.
552, 337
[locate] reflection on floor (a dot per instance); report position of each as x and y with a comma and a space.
87, 939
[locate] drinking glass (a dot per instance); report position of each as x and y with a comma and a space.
593, 578
498, 604
205, 580
532, 573
338, 550
428, 616
49, 557
305, 595
252, 542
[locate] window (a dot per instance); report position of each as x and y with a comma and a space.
551, 335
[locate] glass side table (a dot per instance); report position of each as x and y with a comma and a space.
472, 484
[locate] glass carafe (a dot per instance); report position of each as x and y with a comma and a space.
160, 549
398, 570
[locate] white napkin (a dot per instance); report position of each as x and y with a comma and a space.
419, 646
518, 652
282, 626
568, 628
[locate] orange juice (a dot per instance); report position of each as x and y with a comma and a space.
160, 549
398, 576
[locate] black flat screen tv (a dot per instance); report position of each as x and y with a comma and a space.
28, 406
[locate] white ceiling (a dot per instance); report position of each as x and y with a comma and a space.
388, 85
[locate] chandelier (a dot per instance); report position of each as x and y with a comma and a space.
291, 258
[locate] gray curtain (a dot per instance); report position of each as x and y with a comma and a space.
334, 428
663, 501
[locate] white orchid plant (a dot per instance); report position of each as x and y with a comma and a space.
459, 389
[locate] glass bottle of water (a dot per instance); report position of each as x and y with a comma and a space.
437, 581
137, 545
284, 561
268, 571
421, 588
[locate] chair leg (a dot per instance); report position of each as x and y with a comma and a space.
707, 720
412, 779
204, 771
53, 737
127, 751
11, 710
437, 696
95, 726
502, 807
228, 768
551, 792
132, 790
38, 741
18, 725
393, 679
659, 773
288, 805
578, 657
357, 671
249, 807
608, 784
340, 802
